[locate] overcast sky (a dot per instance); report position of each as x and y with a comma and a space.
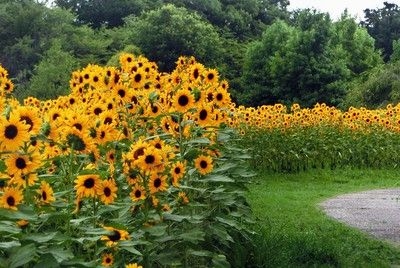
336, 7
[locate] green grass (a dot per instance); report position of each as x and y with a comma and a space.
294, 232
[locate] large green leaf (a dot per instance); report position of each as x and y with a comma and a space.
22, 255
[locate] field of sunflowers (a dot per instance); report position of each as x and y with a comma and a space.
141, 168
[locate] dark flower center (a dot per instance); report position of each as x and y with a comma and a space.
138, 153
89, 183
177, 170
121, 93
157, 182
20, 163
149, 159
138, 193
44, 195
196, 73
203, 164
183, 100
98, 111
28, 121
219, 97
203, 114
10, 201
11, 132
115, 236
138, 78
210, 76
78, 126
107, 192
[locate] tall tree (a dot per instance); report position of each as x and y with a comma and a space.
105, 12
169, 32
296, 64
383, 24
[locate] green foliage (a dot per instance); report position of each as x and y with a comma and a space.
320, 147
382, 24
169, 32
51, 75
108, 13
295, 233
377, 87
295, 64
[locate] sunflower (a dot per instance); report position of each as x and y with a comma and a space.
19, 164
107, 260
177, 172
204, 164
183, 100
31, 117
196, 71
87, 185
46, 194
203, 115
108, 191
157, 183
182, 197
114, 236
133, 265
221, 97
211, 76
138, 193
24, 180
105, 133
22, 223
11, 198
150, 160
13, 133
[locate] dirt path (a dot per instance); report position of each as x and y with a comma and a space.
376, 212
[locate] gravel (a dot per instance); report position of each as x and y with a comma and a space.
376, 212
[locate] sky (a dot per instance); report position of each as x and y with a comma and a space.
336, 7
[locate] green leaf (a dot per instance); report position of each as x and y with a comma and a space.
157, 230
11, 244
22, 255
218, 178
9, 227
200, 253
48, 261
194, 236
61, 254
129, 246
24, 212
3, 166
40, 237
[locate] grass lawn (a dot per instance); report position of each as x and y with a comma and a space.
295, 233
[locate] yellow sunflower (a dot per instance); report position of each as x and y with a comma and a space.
151, 160
157, 183
19, 164
133, 265
177, 172
204, 164
24, 180
107, 260
13, 133
11, 198
114, 236
183, 100
31, 117
46, 194
108, 191
138, 193
87, 185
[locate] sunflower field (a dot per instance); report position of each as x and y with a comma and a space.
134, 168
293, 139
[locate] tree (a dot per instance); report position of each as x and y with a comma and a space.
97, 13
52, 74
383, 24
296, 64
358, 45
169, 32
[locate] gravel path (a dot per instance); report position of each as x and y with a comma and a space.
376, 212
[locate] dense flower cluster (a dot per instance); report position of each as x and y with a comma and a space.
120, 137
